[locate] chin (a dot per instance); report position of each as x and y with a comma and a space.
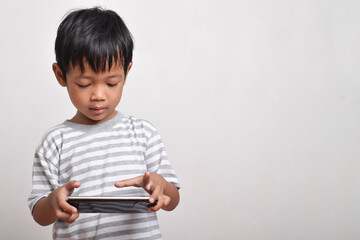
101, 118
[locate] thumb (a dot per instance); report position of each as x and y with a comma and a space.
70, 186
166, 200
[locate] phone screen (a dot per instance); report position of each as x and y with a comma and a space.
111, 204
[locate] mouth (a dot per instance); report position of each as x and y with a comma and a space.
97, 110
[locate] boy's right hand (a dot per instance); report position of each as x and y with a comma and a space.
62, 209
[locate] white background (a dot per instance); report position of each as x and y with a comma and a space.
257, 102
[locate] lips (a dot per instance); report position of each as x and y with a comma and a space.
97, 110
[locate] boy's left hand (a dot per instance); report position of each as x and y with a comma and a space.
154, 184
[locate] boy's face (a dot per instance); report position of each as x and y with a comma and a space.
95, 95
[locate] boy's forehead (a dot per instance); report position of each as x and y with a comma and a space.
87, 66
76, 72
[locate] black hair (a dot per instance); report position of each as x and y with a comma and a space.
96, 36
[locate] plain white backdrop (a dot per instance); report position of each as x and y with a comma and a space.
257, 103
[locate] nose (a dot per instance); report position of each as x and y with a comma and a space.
97, 94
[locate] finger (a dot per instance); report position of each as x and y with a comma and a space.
60, 214
146, 183
166, 200
136, 182
155, 194
72, 218
146, 177
66, 207
159, 204
70, 186
163, 201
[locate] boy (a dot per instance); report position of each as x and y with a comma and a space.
99, 152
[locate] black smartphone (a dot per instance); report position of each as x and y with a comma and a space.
111, 204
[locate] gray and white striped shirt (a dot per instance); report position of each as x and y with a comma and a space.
98, 156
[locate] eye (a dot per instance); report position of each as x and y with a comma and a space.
83, 86
112, 84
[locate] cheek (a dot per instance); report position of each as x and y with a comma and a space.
120, 93
76, 96
117, 94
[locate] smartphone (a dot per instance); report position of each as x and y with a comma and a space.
111, 204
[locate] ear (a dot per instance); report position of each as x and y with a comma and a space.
59, 74
128, 69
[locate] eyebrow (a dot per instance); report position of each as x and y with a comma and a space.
90, 77
115, 75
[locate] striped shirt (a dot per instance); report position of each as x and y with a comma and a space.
98, 156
